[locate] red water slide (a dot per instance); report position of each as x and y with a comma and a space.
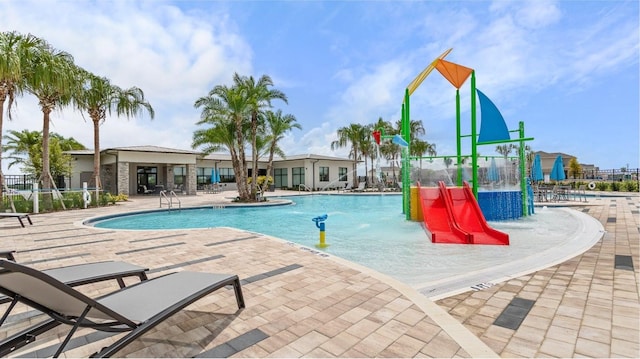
469, 217
438, 218
452, 215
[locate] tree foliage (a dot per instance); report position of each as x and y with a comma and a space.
236, 116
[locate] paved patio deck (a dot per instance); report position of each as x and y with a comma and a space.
303, 304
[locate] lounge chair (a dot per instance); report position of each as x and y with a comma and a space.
360, 187
8, 254
82, 274
19, 216
135, 309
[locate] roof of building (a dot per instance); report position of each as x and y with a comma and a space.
152, 149
311, 156
216, 156
554, 154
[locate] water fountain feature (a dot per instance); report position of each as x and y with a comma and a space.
500, 198
499, 194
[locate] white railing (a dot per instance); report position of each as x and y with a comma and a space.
303, 186
169, 199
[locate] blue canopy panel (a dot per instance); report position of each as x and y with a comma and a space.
492, 126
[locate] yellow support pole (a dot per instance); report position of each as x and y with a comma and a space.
320, 224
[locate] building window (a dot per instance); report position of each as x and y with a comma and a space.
179, 176
203, 177
297, 176
324, 174
342, 174
227, 175
147, 177
261, 172
280, 177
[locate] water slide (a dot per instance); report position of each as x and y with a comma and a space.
452, 215
438, 217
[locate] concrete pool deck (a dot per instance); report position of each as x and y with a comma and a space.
303, 304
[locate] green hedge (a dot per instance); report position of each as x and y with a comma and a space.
72, 200
619, 186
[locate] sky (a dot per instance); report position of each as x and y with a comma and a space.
568, 69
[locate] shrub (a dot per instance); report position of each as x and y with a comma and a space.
632, 186
615, 186
22, 205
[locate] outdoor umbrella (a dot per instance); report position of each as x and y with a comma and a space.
215, 177
557, 172
536, 169
493, 174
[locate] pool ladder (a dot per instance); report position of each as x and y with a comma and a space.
169, 199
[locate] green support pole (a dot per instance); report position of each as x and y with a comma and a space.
474, 144
406, 135
402, 119
458, 136
523, 180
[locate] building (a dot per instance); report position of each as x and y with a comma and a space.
548, 158
129, 170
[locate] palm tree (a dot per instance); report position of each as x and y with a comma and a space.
229, 106
419, 148
99, 97
386, 128
278, 125
213, 139
16, 51
367, 149
259, 97
505, 150
53, 79
351, 135
23, 147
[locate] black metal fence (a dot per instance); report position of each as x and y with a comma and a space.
18, 182
613, 175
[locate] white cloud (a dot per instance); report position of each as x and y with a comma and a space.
177, 51
174, 57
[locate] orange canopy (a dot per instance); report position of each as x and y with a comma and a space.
454, 73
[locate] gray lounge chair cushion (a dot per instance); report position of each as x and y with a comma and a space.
137, 303
140, 303
90, 272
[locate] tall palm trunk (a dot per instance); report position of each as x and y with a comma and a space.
356, 180
95, 118
241, 173
366, 170
270, 161
237, 168
254, 153
374, 178
47, 198
3, 95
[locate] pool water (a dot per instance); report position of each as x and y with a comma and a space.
369, 230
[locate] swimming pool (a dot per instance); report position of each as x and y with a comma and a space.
369, 230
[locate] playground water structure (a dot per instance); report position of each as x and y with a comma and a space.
493, 131
370, 230
499, 194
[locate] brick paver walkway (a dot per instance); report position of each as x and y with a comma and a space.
301, 303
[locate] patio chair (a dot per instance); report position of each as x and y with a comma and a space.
145, 190
360, 188
19, 216
82, 274
8, 254
135, 309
